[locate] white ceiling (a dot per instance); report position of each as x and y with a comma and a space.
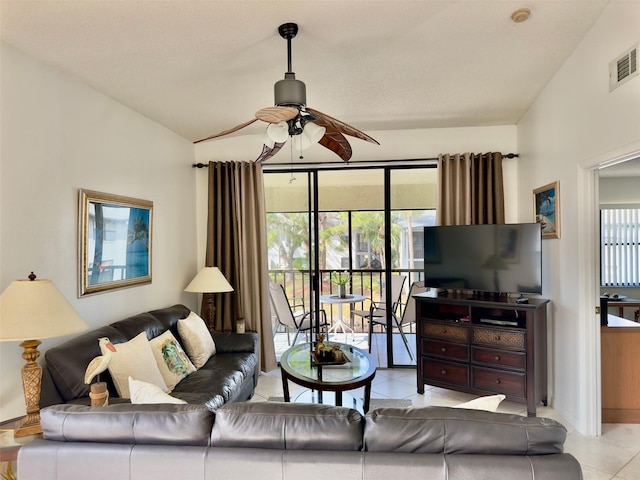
199, 67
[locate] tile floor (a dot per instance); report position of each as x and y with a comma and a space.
613, 456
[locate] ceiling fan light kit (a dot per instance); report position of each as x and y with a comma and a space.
292, 118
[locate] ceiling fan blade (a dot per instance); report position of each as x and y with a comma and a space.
226, 132
276, 114
267, 152
330, 122
337, 143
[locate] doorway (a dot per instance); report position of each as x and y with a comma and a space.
619, 203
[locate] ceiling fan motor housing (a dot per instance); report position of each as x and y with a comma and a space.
290, 91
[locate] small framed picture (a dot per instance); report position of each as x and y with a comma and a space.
546, 209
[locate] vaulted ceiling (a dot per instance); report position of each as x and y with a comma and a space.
198, 67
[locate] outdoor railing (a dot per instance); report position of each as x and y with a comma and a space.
366, 282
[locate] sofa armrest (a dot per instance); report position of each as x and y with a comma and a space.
461, 431
236, 342
152, 424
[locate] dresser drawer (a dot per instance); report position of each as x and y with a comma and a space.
450, 351
496, 337
445, 331
499, 381
445, 372
499, 358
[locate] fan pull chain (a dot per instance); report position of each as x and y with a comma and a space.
292, 178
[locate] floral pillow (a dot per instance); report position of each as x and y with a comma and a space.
172, 361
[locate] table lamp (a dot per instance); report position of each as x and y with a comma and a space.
31, 309
208, 281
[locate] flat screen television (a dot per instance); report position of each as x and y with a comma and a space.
504, 258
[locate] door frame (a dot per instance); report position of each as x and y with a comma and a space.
588, 275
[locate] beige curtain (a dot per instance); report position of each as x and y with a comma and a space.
470, 189
237, 244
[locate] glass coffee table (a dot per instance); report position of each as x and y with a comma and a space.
298, 365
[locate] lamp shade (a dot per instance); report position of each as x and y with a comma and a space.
278, 132
267, 140
209, 280
311, 134
314, 132
35, 309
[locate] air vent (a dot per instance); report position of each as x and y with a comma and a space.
623, 68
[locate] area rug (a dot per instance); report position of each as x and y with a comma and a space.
373, 403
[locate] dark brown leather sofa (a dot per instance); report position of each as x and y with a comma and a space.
283, 441
228, 376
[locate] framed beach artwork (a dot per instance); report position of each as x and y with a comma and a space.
114, 242
546, 204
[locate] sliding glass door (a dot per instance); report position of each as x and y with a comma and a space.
368, 225
412, 201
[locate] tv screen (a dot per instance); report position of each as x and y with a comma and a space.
504, 258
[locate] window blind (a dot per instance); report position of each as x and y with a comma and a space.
620, 247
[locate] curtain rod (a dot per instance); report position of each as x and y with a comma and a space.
363, 163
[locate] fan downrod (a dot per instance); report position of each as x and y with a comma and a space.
288, 30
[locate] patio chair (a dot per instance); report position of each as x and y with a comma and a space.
408, 316
298, 320
379, 309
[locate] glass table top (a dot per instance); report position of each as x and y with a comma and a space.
299, 362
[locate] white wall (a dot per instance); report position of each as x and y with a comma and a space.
57, 136
576, 122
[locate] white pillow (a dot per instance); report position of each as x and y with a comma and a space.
489, 403
196, 339
172, 362
133, 359
143, 392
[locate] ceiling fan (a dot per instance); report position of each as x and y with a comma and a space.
290, 117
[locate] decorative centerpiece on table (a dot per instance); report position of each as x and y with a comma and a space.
328, 353
341, 279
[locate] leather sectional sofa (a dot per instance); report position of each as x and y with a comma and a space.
229, 375
281, 441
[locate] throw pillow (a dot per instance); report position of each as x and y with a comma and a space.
196, 339
489, 403
143, 392
133, 359
172, 362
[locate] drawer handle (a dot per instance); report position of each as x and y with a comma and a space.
443, 349
443, 372
497, 358
498, 381
444, 330
497, 338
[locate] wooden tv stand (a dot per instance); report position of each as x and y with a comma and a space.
483, 345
